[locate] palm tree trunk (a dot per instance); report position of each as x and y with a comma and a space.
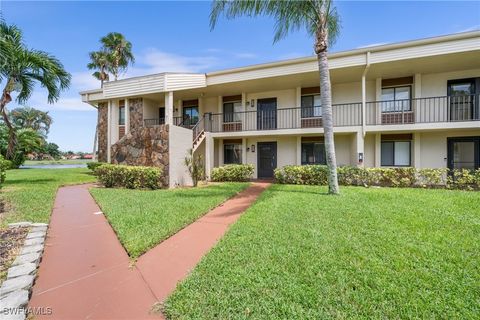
327, 121
12, 137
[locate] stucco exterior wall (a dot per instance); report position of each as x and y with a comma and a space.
180, 140
150, 108
433, 146
287, 150
369, 154
435, 84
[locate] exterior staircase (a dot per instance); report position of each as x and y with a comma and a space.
198, 134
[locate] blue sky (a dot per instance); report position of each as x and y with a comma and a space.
175, 36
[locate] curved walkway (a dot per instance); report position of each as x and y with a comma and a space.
85, 272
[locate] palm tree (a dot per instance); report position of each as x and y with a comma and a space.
27, 117
320, 19
100, 61
119, 51
20, 69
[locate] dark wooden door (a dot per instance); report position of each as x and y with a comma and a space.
266, 159
267, 114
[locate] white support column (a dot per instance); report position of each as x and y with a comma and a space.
299, 151
378, 150
220, 152
359, 148
364, 93
169, 107
378, 97
127, 117
179, 108
417, 162
244, 150
417, 85
109, 131
209, 154
200, 107
298, 104
220, 104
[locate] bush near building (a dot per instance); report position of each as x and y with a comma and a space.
233, 172
130, 177
385, 177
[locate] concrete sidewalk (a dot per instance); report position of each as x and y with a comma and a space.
85, 272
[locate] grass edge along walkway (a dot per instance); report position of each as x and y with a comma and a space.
144, 218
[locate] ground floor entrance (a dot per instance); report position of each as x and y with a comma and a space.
266, 159
463, 153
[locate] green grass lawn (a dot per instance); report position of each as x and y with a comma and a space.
143, 218
56, 162
369, 253
30, 193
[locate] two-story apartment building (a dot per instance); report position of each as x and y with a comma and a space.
412, 103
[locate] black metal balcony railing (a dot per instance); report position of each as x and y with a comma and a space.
423, 110
159, 121
418, 110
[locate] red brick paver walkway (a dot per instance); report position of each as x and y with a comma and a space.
86, 274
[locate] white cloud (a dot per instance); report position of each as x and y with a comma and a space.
245, 55
156, 61
69, 101
84, 81
472, 28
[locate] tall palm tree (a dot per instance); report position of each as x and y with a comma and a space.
20, 69
100, 61
28, 117
320, 19
119, 51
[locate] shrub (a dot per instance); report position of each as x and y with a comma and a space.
130, 177
233, 172
4, 165
308, 174
195, 167
94, 165
386, 177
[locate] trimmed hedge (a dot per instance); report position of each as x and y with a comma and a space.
386, 177
94, 165
233, 172
130, 177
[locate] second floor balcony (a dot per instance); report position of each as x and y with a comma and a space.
444, 109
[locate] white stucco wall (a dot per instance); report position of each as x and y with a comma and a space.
179, 141
433, 146
287, 150
150, 108
435, 84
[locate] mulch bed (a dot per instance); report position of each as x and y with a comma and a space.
11, 242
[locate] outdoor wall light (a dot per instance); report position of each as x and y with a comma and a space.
252, 148
252, 103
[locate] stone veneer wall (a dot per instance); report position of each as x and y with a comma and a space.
144, 147
136, 113
102, 127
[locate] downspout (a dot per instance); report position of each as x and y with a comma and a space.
364, 92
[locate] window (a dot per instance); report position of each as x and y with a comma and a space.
462, 99
396, 99
232, 153
190, 116
311, 106
121, 112
313, 153
231, 111
396, 153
